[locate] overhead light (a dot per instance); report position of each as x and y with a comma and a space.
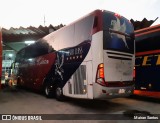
30, 59
29, 42
10, 55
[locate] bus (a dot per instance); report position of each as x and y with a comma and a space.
91, 58
0, 55
147, 62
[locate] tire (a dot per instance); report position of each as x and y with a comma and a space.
59, 94
48, 90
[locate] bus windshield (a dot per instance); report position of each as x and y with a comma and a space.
118, 33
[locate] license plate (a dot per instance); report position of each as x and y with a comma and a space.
121, 91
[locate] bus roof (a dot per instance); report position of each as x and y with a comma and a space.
147, 32
95, 13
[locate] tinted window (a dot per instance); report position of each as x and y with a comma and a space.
41, 47
65, 37
118, 33
83, 29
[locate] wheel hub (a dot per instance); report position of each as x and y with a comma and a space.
58, 91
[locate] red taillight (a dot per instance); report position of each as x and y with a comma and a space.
134, 73
101, 70
100, 74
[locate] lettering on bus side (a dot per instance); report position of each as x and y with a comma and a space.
75, 51
41, 60
147, 60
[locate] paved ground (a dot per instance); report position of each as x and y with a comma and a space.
27, 102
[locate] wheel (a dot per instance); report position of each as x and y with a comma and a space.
59, 94
48, 89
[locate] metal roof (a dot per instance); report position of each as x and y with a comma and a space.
142, 24
30, 33
13, 38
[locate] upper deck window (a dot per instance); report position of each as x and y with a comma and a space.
118, 33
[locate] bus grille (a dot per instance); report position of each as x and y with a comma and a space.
120, 56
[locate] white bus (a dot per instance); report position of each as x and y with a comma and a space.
92, 58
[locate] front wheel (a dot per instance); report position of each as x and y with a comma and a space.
59, 94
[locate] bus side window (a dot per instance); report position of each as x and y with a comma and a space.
83, 29
67, 40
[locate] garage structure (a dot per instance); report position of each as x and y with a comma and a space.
15, 39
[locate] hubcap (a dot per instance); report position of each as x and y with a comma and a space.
58, 92
47, 90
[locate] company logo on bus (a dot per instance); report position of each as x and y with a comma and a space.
117, 26
148, 60
41, 61
76, 53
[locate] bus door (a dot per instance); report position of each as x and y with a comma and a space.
78, 85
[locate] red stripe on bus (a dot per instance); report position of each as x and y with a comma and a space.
147, 52
147, 93
147, 32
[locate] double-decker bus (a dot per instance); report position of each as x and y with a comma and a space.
147, 64
91, 58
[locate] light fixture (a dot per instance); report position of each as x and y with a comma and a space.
30, 59
29, 42
10, 55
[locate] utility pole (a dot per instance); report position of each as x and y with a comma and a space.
44, 20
